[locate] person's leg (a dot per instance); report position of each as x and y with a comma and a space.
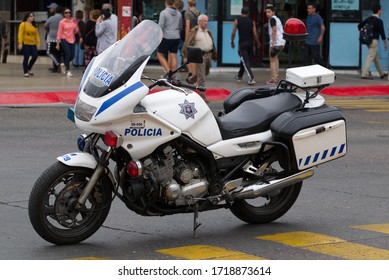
72, 52
76, 54
162, 60
372, 51
241, 67
315, 50
246, 63
67, 54
273, 68
34, 57
377, 62
52, 52
200, 72
173, 49
162, 53
172, 61
26, 56
307, 55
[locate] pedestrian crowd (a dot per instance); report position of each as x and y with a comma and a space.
70, 40
73, 41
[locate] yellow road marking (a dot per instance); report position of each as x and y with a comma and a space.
328, 245
382, 228
205, 252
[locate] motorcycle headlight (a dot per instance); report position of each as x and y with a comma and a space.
84, 111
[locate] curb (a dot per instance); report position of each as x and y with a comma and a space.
214, 94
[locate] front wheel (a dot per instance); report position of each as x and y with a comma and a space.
265, 210
53, 199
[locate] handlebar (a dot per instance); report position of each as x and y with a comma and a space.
176, 83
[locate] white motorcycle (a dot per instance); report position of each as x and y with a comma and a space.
166, 153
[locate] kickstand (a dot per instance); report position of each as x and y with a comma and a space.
195, 223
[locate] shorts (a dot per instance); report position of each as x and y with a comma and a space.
168, 45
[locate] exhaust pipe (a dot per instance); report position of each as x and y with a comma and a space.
256, 190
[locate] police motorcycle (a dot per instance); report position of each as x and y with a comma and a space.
166, 153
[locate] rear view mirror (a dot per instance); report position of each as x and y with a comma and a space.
195, 55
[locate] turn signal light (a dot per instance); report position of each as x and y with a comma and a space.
113, 140
134, 168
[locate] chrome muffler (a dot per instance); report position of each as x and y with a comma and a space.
256, 190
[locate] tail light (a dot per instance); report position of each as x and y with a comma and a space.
134, 168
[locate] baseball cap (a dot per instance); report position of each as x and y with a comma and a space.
52, 6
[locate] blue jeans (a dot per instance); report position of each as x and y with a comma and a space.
29, 50
78, 59
68, 50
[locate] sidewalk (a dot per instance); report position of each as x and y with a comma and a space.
54, 88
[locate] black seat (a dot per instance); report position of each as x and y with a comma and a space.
255, 116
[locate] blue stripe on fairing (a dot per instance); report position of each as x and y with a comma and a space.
342, 148
108, 103
324, 154
307, 160
333, 151
316, 157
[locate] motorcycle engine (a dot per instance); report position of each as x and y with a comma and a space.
181, 180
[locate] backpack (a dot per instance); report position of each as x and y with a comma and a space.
193, 22
366, 31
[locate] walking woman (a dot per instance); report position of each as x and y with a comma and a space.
89, 37
66, 36
28, 42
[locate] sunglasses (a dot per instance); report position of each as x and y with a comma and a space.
66, 12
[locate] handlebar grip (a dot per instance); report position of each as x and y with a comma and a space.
181, 84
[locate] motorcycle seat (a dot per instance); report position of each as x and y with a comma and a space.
255, 116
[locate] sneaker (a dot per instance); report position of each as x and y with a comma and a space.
251, 82
384, 76
271, 82
69, 74
26, 75
63, 68
238, 79
30, 73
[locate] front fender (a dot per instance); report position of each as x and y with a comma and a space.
78, 159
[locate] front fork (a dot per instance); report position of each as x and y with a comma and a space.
99, 171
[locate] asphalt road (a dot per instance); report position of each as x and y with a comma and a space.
341, 213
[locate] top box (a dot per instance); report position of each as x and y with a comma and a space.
310, 76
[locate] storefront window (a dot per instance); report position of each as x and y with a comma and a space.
345, 10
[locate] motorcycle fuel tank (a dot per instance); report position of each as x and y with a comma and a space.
186, 111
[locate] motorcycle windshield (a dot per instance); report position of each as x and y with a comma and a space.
122, 60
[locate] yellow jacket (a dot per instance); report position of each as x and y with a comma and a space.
28, 34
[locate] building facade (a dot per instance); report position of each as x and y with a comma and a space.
341, 47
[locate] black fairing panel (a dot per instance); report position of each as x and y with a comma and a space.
255, 116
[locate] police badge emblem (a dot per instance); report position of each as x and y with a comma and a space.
188, 109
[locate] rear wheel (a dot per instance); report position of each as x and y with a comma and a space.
54, 197
265, 210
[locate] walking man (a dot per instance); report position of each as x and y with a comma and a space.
200, 36
51, 27
372, 55
276, 43
247, 35
315, 30
170, 21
